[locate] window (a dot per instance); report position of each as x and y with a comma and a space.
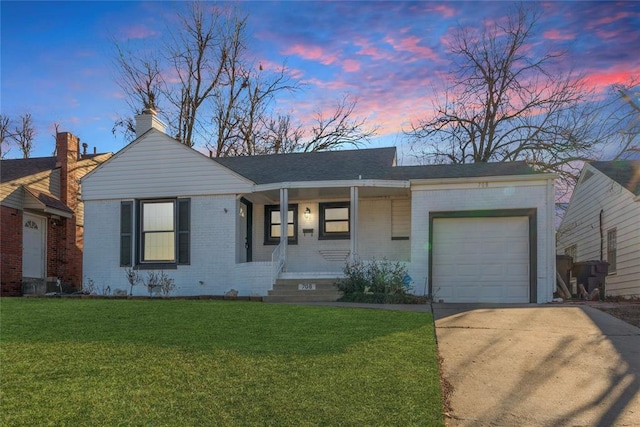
162, 231
400, 219
612, 252
572, 251
334, 220
157, 228
272, 224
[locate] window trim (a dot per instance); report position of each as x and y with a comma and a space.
613, 266
142, 233
268, 238
323, 234
131, 241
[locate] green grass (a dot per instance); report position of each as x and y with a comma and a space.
82, 362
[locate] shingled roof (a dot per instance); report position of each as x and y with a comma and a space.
468, 170
372, 163
375, 163
624, 172
19, 168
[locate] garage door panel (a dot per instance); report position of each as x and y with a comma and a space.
481, 259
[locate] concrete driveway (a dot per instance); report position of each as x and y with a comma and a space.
539, 365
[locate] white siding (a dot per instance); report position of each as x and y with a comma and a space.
484, 196
158, 166
581, 226
212, 271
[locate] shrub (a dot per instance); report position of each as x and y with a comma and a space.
377, 277
159, 282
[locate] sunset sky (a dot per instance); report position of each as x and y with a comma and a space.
56, 57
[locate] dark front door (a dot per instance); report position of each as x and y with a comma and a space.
246, 229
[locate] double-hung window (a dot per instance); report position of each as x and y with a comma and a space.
334, 220
162, 233
272, 224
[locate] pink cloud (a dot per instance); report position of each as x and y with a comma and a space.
368, 48
600, 79
139, 31
607, 20
411, 44
445, 11
350, 65
558, 35
329, 85
312, 53
604, 34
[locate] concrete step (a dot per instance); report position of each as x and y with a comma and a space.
316, 281
303, 290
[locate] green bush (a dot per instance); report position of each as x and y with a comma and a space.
374, 277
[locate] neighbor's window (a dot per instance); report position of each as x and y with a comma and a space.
612, 252
334, 220
162, 230
272, 224
572, 251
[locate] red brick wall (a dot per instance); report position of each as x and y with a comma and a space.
11, 250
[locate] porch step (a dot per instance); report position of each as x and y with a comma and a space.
303, 290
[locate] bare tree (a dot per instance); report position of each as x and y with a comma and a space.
211, 93
5, 135
141, 80
339, 129
24, 134
625, 120
506, 102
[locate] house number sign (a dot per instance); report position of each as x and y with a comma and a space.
306, 286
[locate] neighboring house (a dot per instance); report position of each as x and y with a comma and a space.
602, 222
477, 232
42, 219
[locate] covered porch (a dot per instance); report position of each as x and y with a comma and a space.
327, 225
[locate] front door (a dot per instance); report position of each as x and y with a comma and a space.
246, 221
33, 246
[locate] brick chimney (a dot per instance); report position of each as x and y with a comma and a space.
70, 240
67, 155
148, 120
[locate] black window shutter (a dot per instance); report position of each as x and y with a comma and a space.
126, 233
184, 226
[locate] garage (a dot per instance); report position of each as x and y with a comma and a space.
481, 258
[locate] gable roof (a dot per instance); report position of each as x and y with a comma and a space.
19, 168
374, 163
48, 200
624, 172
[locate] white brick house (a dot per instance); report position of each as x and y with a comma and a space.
478, 232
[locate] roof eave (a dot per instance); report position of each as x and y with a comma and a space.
334, 184
493, 178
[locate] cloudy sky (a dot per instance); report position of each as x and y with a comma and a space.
56, 57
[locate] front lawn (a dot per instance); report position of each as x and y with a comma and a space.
188, 362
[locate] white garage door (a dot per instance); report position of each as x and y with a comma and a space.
481, 259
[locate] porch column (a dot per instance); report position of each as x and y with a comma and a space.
284, 221
353, 223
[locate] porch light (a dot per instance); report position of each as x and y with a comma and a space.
307, 213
